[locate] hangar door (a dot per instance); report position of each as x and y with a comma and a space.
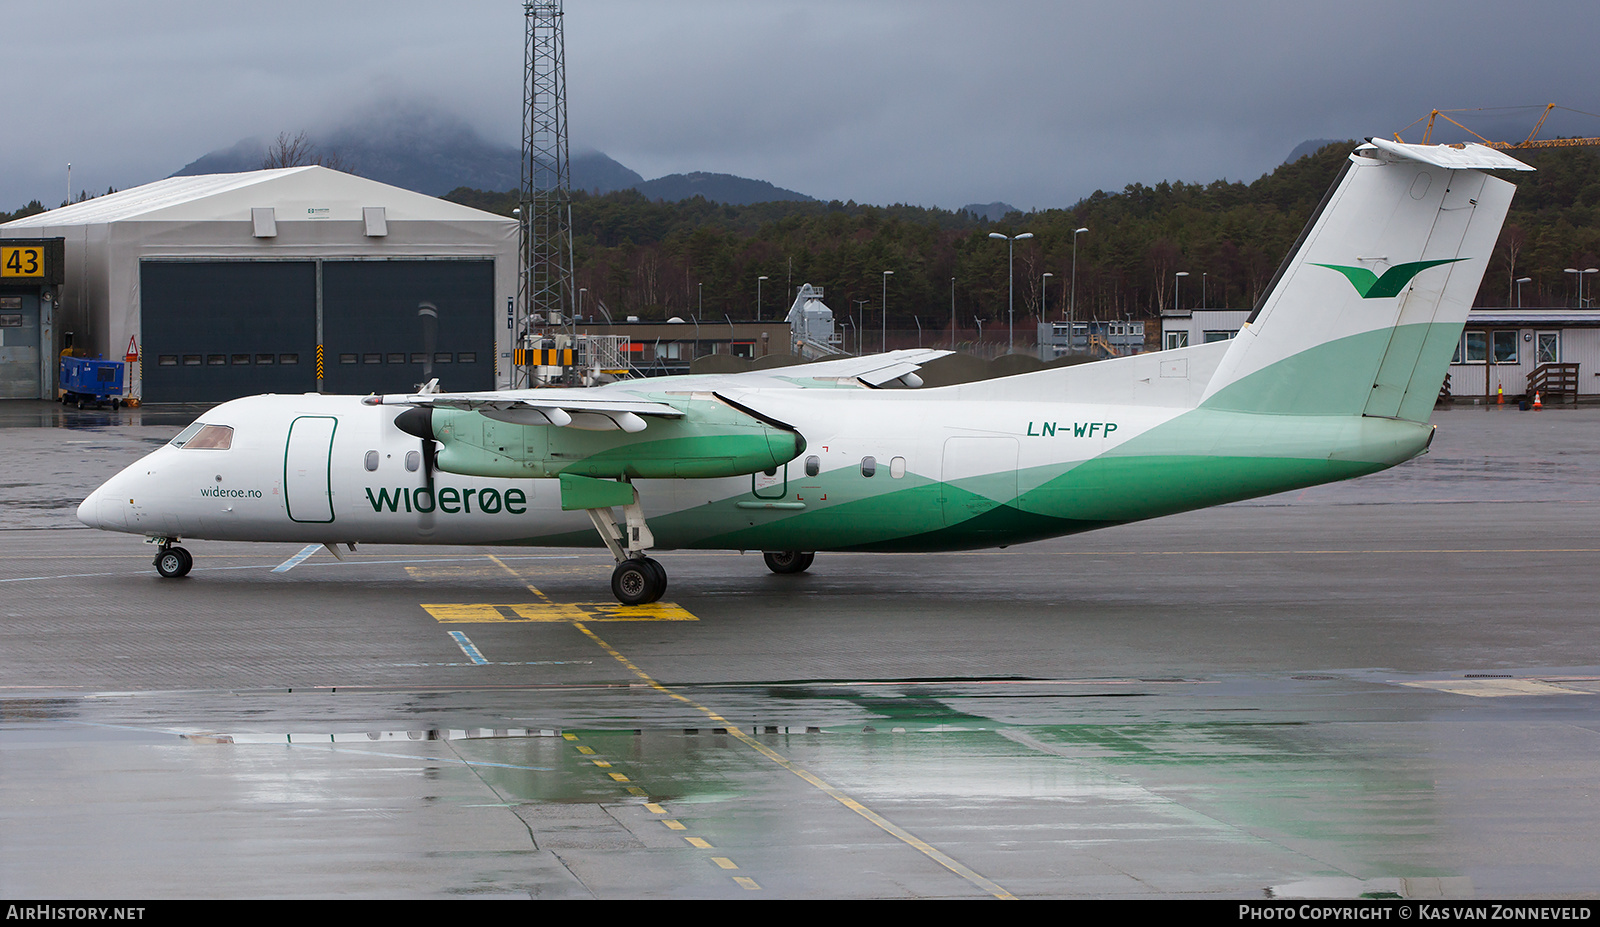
218, 330
376, 341
19, 345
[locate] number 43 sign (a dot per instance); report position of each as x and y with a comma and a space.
26, 261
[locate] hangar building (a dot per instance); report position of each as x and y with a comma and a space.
292, 280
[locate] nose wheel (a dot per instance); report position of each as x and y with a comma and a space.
173, 562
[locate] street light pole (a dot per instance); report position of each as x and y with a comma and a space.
1177, 281
1520, 282
1072, 305
758, 297
883, 338
952, 313
1011, 285
1044, 303
1580, 273
861, 318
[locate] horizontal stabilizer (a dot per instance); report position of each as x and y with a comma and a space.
1453, 157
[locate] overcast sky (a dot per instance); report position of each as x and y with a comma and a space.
930, 102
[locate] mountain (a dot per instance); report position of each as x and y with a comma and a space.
719, 188
994, 212
1309, 147
595, 172
433, 152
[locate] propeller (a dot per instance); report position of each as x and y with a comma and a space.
417, 421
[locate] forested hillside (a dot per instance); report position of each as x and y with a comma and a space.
646, 258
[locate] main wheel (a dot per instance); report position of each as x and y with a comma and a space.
636, 582
788, 561
173, 562
661, 577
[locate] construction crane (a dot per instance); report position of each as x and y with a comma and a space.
1530, 142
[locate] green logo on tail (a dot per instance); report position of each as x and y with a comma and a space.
1372, 286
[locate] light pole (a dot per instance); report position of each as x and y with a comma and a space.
952, 313
1072, 305
861, 318
1177, 281
883, 338
1580, 273
700, 290
758, 297
1202, 291
1011, 284
1520, 282
1044, 303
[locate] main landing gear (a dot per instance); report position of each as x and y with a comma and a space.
638, 579
172, 562
788, 561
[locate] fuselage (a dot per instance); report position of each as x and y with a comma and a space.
880, 470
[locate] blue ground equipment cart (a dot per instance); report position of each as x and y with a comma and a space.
91, 381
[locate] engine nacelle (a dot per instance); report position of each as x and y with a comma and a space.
712, 439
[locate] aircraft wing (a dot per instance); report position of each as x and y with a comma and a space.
873, 369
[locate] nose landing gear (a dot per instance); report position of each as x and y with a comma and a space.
172, 562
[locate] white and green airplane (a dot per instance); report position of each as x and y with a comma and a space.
1334, 376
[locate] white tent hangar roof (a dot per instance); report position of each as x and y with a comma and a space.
296, 193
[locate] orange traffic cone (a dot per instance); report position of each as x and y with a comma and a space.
1538, 406
1501, 390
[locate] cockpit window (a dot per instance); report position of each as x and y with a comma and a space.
184, 435
200, 436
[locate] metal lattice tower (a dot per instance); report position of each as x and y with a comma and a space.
546, 191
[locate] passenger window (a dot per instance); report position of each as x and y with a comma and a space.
413, 460
372, 460
813, 465
897, 468
210, 438
869, 466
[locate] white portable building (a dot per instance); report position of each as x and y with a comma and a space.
289, 280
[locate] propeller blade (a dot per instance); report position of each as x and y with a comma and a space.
428, 314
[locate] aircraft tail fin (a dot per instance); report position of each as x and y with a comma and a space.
1364, 315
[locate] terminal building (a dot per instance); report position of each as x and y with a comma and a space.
292, 280
1514, 353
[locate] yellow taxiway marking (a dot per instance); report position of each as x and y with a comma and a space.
878, 820
512, 613
674, 825
746, 882
1496, 688
546, 610
698, 842
724, 862
586, 750
619, 777
654, 808
601, 763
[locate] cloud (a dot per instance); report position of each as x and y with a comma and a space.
1035, 102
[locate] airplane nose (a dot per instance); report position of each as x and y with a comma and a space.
86, 509
100, 510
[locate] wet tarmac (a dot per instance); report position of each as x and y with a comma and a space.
1385, 688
